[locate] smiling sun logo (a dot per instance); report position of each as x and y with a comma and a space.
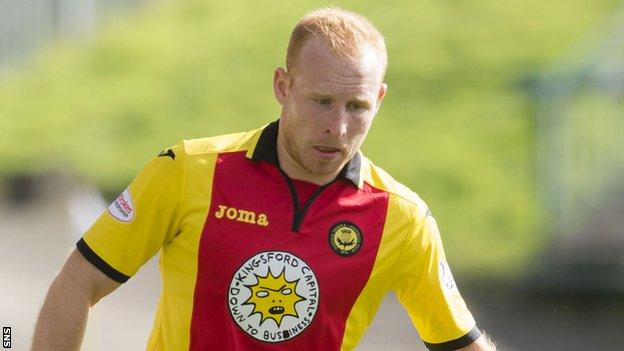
274, 297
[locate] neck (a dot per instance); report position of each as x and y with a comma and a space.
295, 171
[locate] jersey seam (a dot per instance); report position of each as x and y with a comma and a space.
404, 245
372, 196
393, 192
183, 186
237, 145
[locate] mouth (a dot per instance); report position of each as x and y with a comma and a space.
276, 310
327, 152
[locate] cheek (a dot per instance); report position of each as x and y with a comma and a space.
307, 112
360, 126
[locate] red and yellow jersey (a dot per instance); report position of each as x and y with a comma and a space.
247, 266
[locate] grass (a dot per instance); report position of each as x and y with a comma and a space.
456, 125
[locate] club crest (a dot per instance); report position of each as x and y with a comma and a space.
345, 238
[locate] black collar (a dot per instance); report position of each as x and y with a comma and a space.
266, 150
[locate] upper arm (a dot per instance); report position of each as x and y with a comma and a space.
140, 221
79, 276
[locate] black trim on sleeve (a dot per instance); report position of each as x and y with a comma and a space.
456, 344
99, 263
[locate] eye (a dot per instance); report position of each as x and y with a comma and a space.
262, 293
286, 291
354, 106
324, 101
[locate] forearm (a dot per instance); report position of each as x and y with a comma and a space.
63, 318
483, 343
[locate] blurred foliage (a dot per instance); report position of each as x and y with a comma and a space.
456, 125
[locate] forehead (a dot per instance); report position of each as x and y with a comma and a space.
318, 68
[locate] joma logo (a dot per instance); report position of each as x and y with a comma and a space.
242, 215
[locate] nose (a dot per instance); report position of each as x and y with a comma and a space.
336, 123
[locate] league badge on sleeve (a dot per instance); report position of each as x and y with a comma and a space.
122, 209
446, 277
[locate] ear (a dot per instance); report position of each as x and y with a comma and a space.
381, 94
280, 85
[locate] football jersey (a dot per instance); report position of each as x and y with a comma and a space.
247, 266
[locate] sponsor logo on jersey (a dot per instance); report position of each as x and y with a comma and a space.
244, 216
273, 296
167, 152
345, 238
122, 208
446, 277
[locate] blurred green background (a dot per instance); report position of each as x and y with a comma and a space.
457, 125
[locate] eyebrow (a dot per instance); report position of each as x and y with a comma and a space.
363, 103
325, 96
320, 96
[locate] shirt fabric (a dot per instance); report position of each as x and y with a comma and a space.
249, 265
304, 190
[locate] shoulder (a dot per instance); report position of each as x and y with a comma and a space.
218, 144
406, 201
194, 158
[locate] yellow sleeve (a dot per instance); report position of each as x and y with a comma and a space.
425, 287
140, 220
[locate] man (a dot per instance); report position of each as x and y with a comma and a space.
282, 238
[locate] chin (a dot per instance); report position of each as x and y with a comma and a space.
325, 169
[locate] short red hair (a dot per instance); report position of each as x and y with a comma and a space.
346, 33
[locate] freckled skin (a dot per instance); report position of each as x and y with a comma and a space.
328, 105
